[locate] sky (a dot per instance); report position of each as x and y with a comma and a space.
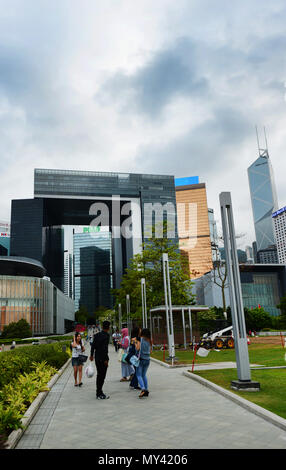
141, 86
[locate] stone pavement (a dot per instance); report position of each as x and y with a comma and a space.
179, 413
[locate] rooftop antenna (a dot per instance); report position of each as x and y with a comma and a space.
266, 140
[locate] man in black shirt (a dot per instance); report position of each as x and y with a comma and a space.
100, 347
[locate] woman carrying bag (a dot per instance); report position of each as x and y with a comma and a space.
144, 346
77, 350
126, 369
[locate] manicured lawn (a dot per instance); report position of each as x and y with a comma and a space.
272, 387
263, 354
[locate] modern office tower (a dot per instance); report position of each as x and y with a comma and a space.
4, 238
263, 198
124, 202
92, 268
214, 236
249, 254
193, 227
279, 220
269, 255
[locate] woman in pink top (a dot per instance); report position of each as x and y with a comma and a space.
127, 369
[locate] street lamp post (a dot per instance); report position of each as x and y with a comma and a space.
144, 305
119, 317
244, 381
168, 304
128, 312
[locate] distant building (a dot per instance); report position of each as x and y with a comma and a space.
249, 254
268, 255
193, 226
26, 293
279, 220
214, 236
263, 199
261, 284
4, 238
92, 268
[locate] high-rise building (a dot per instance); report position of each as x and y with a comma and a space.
279, 220
194, 227
92, 268
129, 204
214, 236
263, 199
4, 238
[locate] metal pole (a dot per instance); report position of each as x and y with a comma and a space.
184, 328
128, 312
144, 305
168, 304
119, 317
191, 326
237, 311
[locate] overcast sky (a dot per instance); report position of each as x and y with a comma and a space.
167, 87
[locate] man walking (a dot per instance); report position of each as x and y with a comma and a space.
100, 347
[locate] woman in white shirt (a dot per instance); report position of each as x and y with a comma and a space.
77, 349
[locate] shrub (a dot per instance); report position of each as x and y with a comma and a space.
20, 329
257, 318
16, 396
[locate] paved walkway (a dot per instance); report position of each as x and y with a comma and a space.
179, 414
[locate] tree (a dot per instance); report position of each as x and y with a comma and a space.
81, 314
20, 329
257, 318
282, 317
148, 265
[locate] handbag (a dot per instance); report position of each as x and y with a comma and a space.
120, 354
135, 360
124, 355
82, 358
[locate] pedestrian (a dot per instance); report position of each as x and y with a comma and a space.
144, 346
135, 336
116, 338
127, 370
77, 349
13, 346
100, 348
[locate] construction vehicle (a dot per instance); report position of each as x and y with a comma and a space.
218, 339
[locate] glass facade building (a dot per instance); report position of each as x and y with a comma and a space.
92, 269
263, 200
36, 299
76, 198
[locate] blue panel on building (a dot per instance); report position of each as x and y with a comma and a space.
186, 180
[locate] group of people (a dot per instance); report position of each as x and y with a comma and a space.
136, 349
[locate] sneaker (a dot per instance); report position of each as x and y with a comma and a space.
102, 397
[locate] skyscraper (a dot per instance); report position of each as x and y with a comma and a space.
263, 198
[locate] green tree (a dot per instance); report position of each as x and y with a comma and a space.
282, 317
81, 315
257, 318
148, 265
20, 329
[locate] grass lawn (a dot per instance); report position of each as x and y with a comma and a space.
262, 354
272, 382
272, 387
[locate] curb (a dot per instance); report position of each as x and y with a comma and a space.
169, 366
249, 406
16, 435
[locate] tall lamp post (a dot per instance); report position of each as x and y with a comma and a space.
119, 317
168, 304
144, 305
128, 312
244, 381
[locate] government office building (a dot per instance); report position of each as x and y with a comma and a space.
123, 203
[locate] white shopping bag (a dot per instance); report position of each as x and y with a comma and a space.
89, 371
203, 352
